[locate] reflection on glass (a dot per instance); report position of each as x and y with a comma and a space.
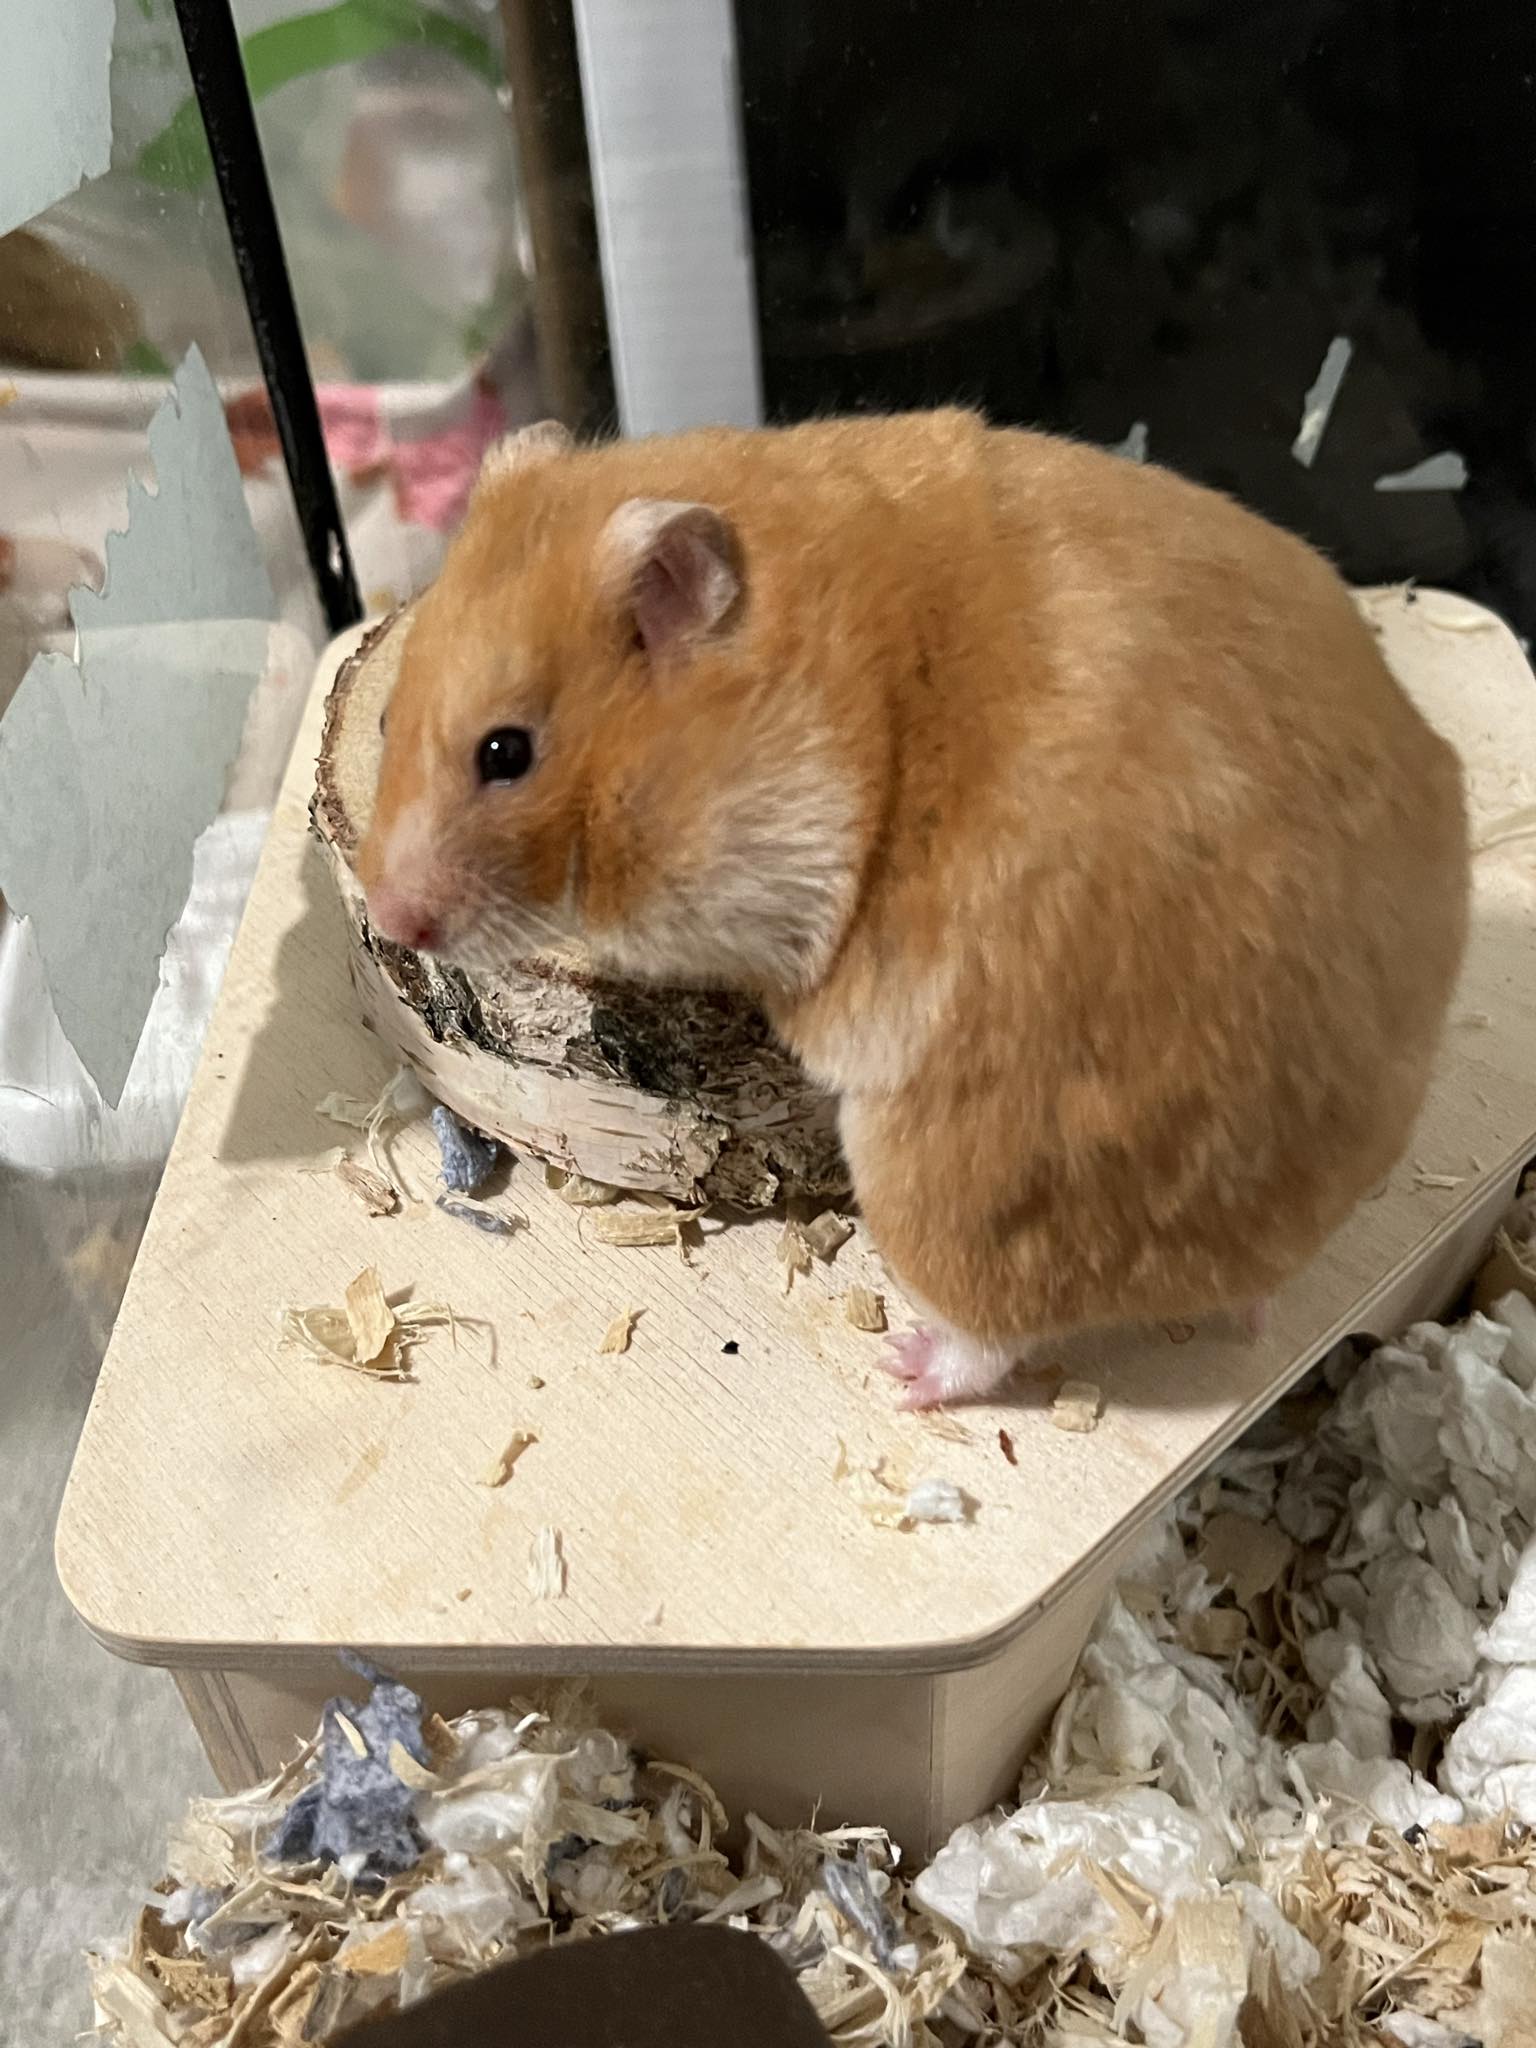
1154, 219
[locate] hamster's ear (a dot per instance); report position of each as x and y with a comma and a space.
676, 568
529, 445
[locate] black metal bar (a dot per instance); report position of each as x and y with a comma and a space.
229, 119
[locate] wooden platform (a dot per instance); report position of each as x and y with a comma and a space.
237, 1510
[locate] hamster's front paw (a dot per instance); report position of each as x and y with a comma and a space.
942, 1365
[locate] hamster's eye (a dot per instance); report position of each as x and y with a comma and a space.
505, 755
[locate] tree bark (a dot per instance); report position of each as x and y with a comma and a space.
683, 1092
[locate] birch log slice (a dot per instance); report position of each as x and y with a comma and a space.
682, 1092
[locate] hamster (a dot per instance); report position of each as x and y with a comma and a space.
1063, 815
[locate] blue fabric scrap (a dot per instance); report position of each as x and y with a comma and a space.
483, 1219
467, 1157
849, 1887
357, 1806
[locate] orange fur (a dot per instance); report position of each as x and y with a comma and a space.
1063, 814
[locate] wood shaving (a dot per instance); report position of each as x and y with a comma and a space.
580, 1192
369, 1316
864, 1310
367, 1335
938, 1422
546, 1565
1077, 1406
409, 1772
826, 1235
794, 1254
637, 1227
1474, 1020
872, 1488
402, 1099
1423, 1178
887, 1510
326, 1333
884, 1492
384, 1955
130, 2004
499, 1471
1504, 2012
349, 1730
616, 1337
375, 1193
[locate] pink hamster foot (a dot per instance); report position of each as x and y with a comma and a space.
1255, 1320
908, 1353
941, 1365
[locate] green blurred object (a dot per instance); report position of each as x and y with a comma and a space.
143, 359
177, 158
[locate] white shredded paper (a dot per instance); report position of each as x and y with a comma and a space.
937, 1500
1446, 471
1317, 406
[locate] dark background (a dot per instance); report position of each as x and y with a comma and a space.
1084, 213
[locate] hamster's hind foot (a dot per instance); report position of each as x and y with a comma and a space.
1254, 1320
940, 1365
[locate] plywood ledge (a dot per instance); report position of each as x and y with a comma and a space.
234, 1503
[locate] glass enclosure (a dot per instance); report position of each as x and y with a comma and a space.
159, 627
1165, 224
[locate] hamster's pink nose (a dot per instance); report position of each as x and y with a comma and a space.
404, 919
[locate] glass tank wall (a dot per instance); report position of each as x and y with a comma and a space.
1177, 226
159, 629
